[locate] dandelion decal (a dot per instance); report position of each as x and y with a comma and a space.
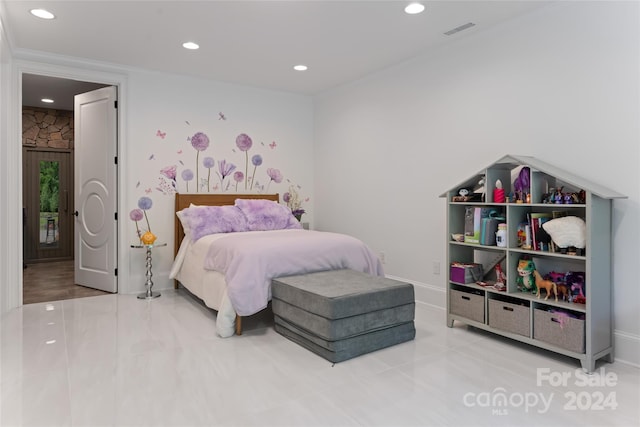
275, 175
224, 170
145, 204
208, 163
136, 215
187, 175
244, 143
200, 142
256, 160
238, 177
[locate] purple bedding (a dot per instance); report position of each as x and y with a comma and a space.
250, 260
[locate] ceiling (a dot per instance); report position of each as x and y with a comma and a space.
254, 43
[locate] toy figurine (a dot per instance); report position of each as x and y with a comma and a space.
575, 283
501, 279
547, 285
525, 279
521, 184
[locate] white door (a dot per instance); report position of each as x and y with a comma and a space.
95, 186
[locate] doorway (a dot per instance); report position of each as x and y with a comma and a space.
47, 194
48, 190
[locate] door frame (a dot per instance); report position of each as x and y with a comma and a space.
12, 294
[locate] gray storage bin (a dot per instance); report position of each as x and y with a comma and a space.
561, 331
509, 317
467, 305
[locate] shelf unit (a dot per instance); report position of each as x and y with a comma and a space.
587, 334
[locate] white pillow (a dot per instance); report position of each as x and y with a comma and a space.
567, 231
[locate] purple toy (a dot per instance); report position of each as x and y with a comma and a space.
522, 182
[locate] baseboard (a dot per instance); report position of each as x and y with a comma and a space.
627, 345
426, 294
627, 348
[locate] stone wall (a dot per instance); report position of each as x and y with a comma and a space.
46, 128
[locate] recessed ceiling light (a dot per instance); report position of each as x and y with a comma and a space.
42, 13
414, 8
47, 100
190, 45
300, 67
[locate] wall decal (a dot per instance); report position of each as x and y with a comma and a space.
210, 171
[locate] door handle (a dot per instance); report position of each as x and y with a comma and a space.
76, 213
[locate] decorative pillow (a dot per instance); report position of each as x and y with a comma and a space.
567, 231
200, 221
265, 215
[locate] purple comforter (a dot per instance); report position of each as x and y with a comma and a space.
250, 260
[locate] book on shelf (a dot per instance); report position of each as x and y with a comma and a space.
540, 239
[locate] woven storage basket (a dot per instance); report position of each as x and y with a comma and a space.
467, 305
561, 331
509, 317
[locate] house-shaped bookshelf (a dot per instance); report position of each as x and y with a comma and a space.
546, 211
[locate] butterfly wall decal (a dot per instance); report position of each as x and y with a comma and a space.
161, 134
272, 145
221, 116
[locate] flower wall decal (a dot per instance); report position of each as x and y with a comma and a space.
208, 163
145, 203
275, 176
294, 202
224, 170
238, 177
230, 179
187, 175
256, 160
244, 143
200, 142
137, 215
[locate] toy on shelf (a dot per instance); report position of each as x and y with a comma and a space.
569, 285
575, 283
498, 193
501, 279
547, 285
525, 280
521, 186
568, 233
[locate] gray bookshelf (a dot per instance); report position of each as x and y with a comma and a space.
582, 331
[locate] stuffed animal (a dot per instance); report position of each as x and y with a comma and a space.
567, 231
525, 280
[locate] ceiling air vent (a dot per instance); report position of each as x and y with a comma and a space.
460, 28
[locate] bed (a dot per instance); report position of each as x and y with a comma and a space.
230, 266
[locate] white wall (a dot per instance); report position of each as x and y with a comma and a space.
178, 107
10, 232
561, 84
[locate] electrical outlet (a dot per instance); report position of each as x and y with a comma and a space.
436, 267
382, 257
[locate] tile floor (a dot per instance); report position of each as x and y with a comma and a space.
118, 361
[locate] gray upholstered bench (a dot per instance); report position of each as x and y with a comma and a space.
341, 314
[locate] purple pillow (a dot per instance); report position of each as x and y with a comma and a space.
265, 215
200, 221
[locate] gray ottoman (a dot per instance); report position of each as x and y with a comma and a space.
341, 314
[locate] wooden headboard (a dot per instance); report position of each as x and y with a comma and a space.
185, 200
